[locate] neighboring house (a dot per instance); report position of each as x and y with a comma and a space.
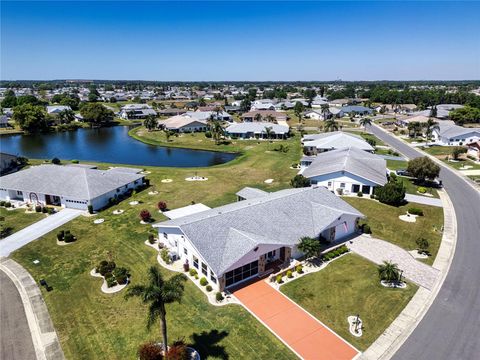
443, 110
57, 109
318, 143
252, 115
359, 110
422, 119
136, 111
8, 163
4, 122
257, 130
450, 134
68, 186
284, 105
262, 104
240, 241
350, 169
206, 115
474, 150
183, 124
314, 114
171, 112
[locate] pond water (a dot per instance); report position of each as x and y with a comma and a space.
111, 145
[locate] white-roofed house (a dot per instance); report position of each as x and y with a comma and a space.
136, 111
258, 130
247, 239
350, 169
183, 124
318, 143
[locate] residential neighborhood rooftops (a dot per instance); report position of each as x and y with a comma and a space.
225, 234
450, 130
352, 160
336, 140
71, 181
257, 128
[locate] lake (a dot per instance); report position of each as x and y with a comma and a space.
111, 145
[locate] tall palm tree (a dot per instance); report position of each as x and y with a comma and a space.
269, 132
325, 111
364, 122
388, 271
158, 292
258, 117
330, 125
216, 128
430, 126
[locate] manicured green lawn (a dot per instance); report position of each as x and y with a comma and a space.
411, 187
385, 224
93, 325
17, 219
396, 164
350, 286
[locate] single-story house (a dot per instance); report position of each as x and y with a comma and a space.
68, 186
265, 115
183, 124
314, 114
136, 111
8, 163
350, 169
359, 110
57, 109
257, 130
206, 115
263, 104
474, 150
240, 241
171, 112
443, 110
318, 143
450, 134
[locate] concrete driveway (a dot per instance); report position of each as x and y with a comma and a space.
425, 200
36, 230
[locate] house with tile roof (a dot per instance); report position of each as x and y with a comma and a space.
69, 186
234, 243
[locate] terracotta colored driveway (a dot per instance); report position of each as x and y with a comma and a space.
300, 331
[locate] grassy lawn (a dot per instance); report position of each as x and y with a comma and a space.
396, 164
93, 325
368, 136
17, 219
385, 224
411, 187
350, 286
442, 152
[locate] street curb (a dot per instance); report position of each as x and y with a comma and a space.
403, 326
44, 336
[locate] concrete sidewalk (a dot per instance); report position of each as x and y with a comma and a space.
36, 230
425, 200
44, 337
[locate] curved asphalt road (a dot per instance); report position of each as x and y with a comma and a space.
451, 327
16, 341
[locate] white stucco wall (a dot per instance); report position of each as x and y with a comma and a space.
335, 180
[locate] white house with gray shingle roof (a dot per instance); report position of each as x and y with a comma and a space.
350, 169
318, 143
239, 241
450, 134
68, 186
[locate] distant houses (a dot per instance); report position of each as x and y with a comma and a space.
264, 116
72, 186
136, 111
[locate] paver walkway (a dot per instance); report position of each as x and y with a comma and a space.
36, 230
419, 199
304, 334
378, 251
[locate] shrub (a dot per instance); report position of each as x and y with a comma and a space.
150, 351
105, 266
75, 161
289, 274
392, 193
340, 191
111, 281
219, 296
208, 134
68, 238
44, 210
422, 190
56, 161
90, 209
50, 211
177, 351
279, 279
203, 281
38, 208
151, 238
162, 205
415, 211
366, 229
120, 271
299, 269
165, 256
300, 181
359, 194
8, 204
208, 288
121, 279
60, 235
196, 276
145, 215
422, 244
2, 203
192, 272
372, 196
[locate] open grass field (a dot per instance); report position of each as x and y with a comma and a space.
350, 286
385, 224
17, 219
93, 325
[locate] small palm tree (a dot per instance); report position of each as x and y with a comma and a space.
430, 126
157, 293
168, 134
389, 271
364, 122
325, 111
331, 125
268, 132
270, 118
258, 117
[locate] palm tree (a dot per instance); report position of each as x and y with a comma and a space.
258, 117
150, 122
325, 111
168, 134
216, 128
364, 122
157, 293
330, 125
268, 132
430, 126
389, 271
270, 118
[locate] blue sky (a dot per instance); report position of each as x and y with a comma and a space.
240, 40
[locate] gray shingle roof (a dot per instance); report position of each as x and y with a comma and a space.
225, 234
352, 160
251, 193
336, 140
452, 130
256, 128
73, 182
